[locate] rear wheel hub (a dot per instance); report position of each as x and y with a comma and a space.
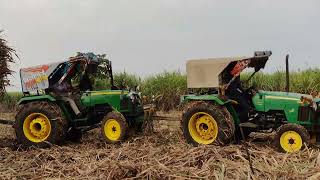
203, 128
37, 127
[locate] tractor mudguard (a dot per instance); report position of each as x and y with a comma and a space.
27, 99
49, 98
213, 98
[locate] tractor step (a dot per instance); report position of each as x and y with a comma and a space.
88, 128
248, 125
80, 119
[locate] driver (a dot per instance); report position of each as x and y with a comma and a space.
63, 88
85, 82
235, 91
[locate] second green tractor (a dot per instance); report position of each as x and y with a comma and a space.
219, 109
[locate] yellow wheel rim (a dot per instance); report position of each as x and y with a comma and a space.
112, 129
36, 127
203, 128
291, 141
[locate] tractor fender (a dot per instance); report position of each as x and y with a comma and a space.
28, 99
212, 98
216, 99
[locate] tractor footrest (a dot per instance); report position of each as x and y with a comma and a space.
81, 120
248, 125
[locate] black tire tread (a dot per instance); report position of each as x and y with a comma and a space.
52, 111
291, 127
123, 124
221, 115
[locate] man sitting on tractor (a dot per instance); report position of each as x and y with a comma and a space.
234, 89
63, 88
76, 72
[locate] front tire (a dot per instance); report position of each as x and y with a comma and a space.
114, 127
205, 123
40, 124
291, 138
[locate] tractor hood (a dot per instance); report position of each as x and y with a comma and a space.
265, 101
205, 73
284, 95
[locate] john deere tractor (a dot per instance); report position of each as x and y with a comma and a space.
219, 109
60, 102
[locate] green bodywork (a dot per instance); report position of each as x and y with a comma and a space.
114, 97
288, 103
264, 102
118, 100
213, 97
27, 99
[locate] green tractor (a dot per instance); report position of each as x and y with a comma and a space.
219, 110
59, 102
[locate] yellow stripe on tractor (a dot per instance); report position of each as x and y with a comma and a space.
108, 93
282, 98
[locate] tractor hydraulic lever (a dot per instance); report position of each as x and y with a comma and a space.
251, 76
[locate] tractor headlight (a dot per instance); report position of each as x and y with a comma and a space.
135, 98
131, 96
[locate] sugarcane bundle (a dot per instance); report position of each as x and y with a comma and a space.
6, 57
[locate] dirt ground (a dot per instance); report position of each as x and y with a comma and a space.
162, 155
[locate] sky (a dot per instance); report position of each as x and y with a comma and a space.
146, 37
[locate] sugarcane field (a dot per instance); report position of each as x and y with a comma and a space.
159, 90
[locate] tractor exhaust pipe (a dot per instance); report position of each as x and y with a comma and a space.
287, 74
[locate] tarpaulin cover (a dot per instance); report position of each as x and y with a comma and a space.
204, 73
36, 78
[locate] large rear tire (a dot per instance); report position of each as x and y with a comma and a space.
205, 123
40, 124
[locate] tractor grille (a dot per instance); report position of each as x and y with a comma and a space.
124, 104
305, 113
